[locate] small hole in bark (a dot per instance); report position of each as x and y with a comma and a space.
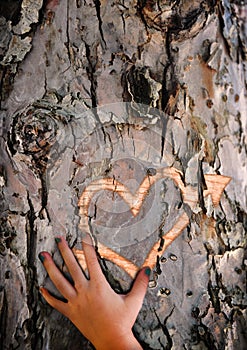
224, 98
7, 275
209, 103
173, 257
238, 270
152, 284
151, 171
164, 291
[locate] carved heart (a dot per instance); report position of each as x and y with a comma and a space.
215, 186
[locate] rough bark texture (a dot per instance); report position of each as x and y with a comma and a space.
186, 59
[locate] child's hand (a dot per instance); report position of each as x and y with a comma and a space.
102, 316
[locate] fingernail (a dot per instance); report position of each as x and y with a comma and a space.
148, 271
41, 257
58, 240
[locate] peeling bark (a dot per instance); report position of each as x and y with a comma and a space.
87, 89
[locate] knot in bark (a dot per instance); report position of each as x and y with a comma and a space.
34, 132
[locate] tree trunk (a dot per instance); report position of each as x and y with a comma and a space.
128, 120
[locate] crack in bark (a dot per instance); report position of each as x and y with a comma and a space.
98, 6
31, 278
31, 234
165, 329
170, 82
164, 122
3, 318
91, 70
201, 186
67, 34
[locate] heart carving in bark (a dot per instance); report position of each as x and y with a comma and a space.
215, 185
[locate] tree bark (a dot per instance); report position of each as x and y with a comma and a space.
126, 119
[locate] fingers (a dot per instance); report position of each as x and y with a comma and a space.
93, 266
61, 283
138, 291
57, 304
71, 263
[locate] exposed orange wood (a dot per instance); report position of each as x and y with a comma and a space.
134, 201
215, 187
169, 237
110, 255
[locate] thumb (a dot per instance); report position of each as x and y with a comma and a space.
139, 288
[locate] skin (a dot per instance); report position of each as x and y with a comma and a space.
104, 317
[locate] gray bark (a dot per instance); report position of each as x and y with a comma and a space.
175, 76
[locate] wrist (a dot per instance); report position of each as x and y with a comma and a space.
128, 342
